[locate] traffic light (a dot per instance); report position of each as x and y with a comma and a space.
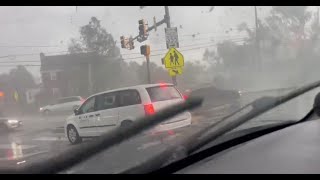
143, 29
145, 50
123, 43
127, 43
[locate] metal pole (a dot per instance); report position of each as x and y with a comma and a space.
167, 18
90, 77
148, 69
258, 59
318, 17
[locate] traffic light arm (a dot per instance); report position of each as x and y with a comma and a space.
157, 24
152, 27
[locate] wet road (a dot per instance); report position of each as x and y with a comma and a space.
40, 138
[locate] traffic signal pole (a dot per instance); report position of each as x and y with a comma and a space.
148, 68
167, 20
257, 43
152, 27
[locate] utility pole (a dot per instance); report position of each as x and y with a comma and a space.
167, 20
258, 55
145, 50
318, 17
148, 68
90, 88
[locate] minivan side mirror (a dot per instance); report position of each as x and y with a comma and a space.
76, 111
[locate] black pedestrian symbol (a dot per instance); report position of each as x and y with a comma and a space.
171, 58
176, 57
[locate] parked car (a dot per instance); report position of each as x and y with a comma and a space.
8, 124
63, 105
215, 99
120, 107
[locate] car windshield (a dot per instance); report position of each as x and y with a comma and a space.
132, 62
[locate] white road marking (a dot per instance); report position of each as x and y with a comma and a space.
50, 139
9, 146
24, 156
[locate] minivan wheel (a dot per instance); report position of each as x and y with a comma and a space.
73, 135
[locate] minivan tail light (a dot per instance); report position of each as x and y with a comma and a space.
148, 109
185, 97
163, 85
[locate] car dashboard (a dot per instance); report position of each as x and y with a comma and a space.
294, 149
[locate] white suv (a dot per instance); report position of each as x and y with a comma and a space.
63, 105
120, 107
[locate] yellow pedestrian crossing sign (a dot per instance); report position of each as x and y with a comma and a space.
173, 59
175, 71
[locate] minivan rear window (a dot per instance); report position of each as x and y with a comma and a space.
163, 93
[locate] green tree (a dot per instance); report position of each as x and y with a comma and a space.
21, 78
94, 38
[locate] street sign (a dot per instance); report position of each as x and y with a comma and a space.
173, 59
172, 37
175, 71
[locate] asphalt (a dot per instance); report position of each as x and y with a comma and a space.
40, 138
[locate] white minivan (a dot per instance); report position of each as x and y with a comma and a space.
120, 107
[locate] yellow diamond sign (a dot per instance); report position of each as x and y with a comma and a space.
173, 59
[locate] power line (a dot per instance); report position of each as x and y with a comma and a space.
212, 37
192, 45
17, 61
129, 58
209, 44
160, 54
182, 50
37, 54
31, 54
27, 46
13, 65
199, 34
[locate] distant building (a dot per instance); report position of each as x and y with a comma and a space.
31, 95
69, 74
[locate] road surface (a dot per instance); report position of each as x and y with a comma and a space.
40, 138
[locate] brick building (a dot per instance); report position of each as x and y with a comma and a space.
69, 74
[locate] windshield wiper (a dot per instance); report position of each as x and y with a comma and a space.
82, 152
207, 135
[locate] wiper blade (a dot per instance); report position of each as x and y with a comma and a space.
205, 136
84, 151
